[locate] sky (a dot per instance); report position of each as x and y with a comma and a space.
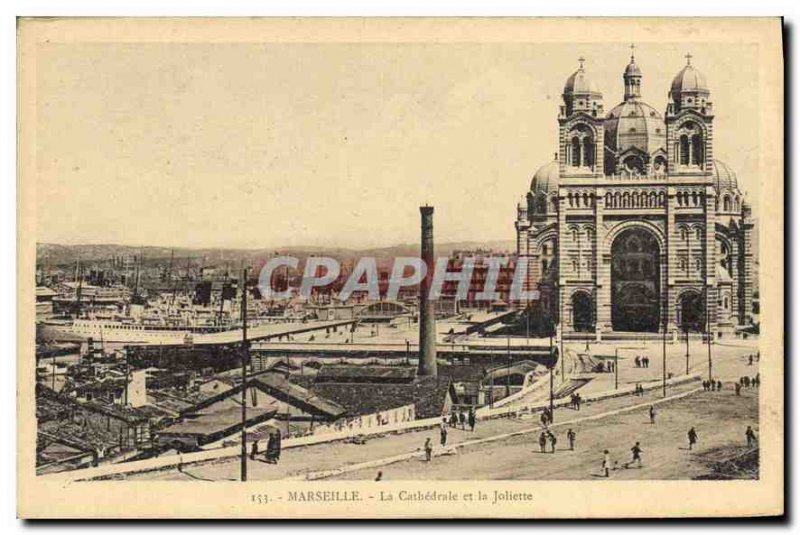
264, 145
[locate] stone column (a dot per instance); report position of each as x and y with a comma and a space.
602, 270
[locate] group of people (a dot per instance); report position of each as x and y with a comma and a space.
462, 419
575, 401
604, 367
638, 390
636, 458
712, 385
273, 452
641, 361
548, 437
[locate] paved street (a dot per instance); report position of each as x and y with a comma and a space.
720, 419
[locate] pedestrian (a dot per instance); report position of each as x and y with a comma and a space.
571, 438
719, 386
471, 418
553, 440
652, 413
646, 362
713, 385
578, 400
543, 418
462, 419
542, 442
750, 435
254, 450
273, 453
750, 360
738, 388
705, 386
692, 436
606, 462
379, 476
428, 449
443, 435
636, 452
636, 361
747, 382
453, 419
754, 382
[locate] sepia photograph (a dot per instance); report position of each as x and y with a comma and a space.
400, 268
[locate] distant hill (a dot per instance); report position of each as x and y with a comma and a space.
57, 254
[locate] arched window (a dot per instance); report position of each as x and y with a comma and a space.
683, 264
697, 150
576, 152
588, 152
586, 200
574, 234
684, 150
574, 265
698, 232
684, 234
544, 266
726, 203
544, 249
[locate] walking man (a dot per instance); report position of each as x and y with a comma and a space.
652, 413
471, 418
254, 450
571, 438
552, 438
542, 442
751, 437
443, 434
738, 388
606, 462
462, 420
636, 451
428, 449
692, 436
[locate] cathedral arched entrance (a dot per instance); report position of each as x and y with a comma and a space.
582, 312
691, 310
635, 281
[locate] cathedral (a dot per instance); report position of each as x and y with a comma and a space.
635, 226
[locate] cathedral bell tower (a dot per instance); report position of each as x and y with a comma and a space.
580, 123
689, 123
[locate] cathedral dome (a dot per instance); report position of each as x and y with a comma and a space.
579, 84
634, 123
545, 180
724, 177
688, 80
632, 69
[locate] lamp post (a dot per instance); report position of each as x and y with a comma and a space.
686, 330
616, 368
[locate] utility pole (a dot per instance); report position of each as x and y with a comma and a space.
244, 376
552, 413
686, 330
708, 334
491, 380
664, 351
127, 374
508, 368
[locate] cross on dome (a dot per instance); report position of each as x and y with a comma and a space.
688, 59
632, 47
581, 60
